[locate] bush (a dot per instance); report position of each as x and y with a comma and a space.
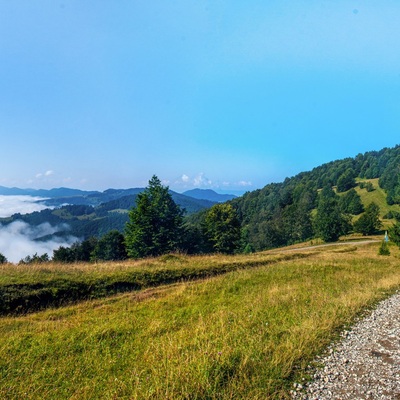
392, 214
35, 259
394, 234
369, 222
384, 249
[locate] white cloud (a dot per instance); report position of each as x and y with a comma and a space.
19, 239
43, 177
244, 183
10, 205
202, 181
185, 178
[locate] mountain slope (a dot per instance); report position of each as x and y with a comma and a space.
281, 213
51, 193
208, 194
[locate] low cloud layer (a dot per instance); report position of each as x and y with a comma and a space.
10, 205
19, 239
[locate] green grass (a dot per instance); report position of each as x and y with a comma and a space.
378, 196
26, 288
247, 334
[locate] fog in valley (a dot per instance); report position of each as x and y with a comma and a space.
10, 205
19, 239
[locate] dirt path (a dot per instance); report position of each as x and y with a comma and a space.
365, 364
353, 243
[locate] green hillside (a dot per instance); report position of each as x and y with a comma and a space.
284, 213
379, 197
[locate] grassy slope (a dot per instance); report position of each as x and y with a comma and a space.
245, 334
26, 288
378, 196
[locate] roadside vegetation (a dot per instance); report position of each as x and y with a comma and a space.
246, 334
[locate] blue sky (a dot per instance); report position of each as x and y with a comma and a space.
229, 95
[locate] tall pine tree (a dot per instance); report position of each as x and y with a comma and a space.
155, 224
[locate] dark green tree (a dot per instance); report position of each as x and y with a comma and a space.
111, 247
384, 249
350, 203
193, 241
296, 223
394, 233
155, 224
330, 223
64, 255
83, 251
369, 223
222, 228
346, 181
3, 259
78, 252
35, 259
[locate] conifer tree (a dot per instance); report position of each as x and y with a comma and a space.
155, 224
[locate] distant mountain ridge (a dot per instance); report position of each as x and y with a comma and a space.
58, 197
52, 193
209, 194
84, 214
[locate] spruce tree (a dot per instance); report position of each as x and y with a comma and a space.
155, 224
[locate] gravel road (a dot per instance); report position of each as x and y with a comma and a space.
365, 363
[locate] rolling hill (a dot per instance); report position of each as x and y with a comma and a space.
282, 213
208, 194
94, 213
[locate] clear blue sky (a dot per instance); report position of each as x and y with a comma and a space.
229, 95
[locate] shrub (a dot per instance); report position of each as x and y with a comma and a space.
384, 249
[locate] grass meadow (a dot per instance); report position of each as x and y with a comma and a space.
245, 334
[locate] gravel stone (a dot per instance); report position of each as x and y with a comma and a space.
365, 363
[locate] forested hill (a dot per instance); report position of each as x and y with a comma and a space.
82, 219
282, 213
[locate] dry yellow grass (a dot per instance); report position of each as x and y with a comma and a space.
247, 334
